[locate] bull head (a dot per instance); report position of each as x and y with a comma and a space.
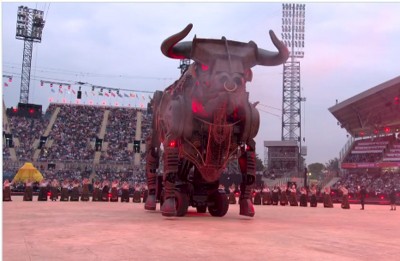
183, 50
222, 67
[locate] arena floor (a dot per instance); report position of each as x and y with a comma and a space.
125, 231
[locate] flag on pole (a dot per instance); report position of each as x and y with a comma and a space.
5, 84
100, 93
73, 91
120, 95
112, 94
106, 94
126, 95
52, 90
132, 95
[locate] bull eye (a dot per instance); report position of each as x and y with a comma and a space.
204, 67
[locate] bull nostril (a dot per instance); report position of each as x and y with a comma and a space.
230, 86
223, 79
238, 81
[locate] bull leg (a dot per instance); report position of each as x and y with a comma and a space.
247, 164
171, 159
152, 163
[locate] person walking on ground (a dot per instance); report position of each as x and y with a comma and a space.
43, 190
392, 197
85, 190
232, 197
293, 196
345, 197
313, 198
6, 190
327, 197
266, 196
303, 197
114, 191
54, 190
363, 194
64, 190
284, 197
96, 191
125, 192
28, 190
75, 191
105, 190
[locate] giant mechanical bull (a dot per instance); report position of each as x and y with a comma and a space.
204, 120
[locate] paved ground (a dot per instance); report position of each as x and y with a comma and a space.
40, 231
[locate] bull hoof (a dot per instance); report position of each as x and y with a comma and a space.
150, 202
168, 209
246, 208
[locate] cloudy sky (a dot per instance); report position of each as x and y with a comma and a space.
349, 48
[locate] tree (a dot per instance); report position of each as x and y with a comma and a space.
316, 169
333, 165
259, 164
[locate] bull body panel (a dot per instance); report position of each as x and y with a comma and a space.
205, 119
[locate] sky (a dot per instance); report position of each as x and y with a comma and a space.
349, 48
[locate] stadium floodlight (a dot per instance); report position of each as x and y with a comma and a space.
30, 25
293, 28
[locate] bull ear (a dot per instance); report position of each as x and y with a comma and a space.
171, 49
248, 75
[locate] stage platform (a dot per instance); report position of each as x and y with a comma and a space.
40, 231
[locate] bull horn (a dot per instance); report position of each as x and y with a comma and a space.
269, 58
171, 49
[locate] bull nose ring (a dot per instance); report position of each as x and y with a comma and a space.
230, 90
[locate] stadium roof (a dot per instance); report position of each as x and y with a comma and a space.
374, 111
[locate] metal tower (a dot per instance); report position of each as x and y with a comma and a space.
293, 25
183, 65
30, 25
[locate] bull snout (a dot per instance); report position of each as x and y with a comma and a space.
229, 82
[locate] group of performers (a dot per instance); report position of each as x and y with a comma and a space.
104, 191
77, 191
283, 195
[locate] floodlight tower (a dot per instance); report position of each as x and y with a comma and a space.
30, 25
293, 27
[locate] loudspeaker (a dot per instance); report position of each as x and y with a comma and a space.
136, 146
79, 95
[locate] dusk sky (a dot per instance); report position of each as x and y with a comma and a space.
349, 48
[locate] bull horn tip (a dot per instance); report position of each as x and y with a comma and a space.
271, 33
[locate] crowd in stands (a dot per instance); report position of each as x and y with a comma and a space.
71, 140
375, 183
372, 149
365, 157
121, 130
27, 130
72, 132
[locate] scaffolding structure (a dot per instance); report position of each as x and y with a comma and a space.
293, 28
30, 25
